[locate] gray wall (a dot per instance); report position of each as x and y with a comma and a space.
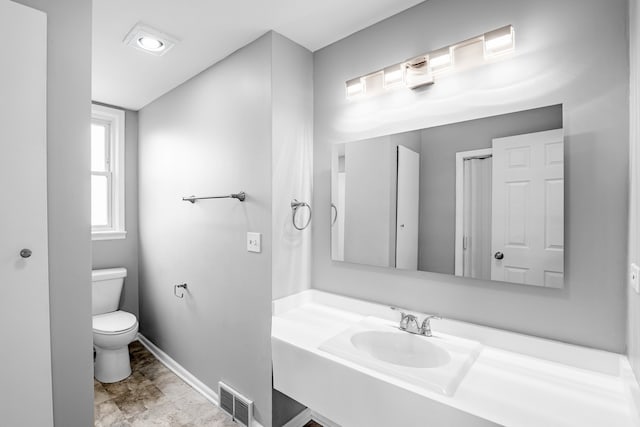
68, 192
553, 64
211, 136
124, 252
438, 175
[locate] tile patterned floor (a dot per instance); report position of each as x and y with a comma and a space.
153, 396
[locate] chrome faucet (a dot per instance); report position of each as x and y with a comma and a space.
425, 329
409, 323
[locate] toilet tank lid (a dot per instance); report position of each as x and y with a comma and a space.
108, 274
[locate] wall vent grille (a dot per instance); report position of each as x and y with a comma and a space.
235, 404
226, 401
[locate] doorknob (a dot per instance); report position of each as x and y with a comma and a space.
498, 255
25, 253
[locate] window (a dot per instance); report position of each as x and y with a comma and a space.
107, 173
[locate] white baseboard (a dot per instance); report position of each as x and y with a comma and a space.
307, 415
185, 375
181, 372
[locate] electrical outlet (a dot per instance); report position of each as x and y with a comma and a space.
254, 242
634, 277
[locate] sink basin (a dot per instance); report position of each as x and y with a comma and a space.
401, 349
437, 363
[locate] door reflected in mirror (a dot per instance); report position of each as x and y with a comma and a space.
482, 199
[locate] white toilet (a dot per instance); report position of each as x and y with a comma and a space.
113, 329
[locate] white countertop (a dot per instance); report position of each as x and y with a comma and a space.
516, 380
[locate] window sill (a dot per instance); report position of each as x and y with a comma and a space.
108, 235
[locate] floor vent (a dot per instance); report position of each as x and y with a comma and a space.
235, 404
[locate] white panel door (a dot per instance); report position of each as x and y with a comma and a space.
528, 209
25, 351
408, 205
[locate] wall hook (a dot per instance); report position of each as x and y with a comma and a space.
175, 290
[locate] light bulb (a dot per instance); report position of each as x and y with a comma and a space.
499, 41
355, 87
393, 76
150, 43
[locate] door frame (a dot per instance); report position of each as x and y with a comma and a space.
459, 234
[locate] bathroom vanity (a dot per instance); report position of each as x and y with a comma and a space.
347, 360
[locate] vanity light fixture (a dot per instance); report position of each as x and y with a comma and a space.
498, 42
355, 87
440, 60
420, 71
393, 76
149, 40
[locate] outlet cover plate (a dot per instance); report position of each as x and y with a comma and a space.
254, 242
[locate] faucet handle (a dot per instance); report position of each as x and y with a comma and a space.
399, 310
404, 317
402, 311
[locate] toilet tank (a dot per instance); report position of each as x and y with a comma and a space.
106, 288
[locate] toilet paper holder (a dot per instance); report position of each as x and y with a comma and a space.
175, 290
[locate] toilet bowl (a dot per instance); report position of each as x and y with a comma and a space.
113, 329
112, 333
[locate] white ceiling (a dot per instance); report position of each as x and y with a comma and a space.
208, 31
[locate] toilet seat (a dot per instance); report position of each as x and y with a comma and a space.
117, 322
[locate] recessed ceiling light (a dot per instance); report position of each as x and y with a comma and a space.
150, 40
150, 43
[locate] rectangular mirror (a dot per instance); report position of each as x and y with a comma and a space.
482, 199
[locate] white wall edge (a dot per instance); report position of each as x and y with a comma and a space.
185, 375
299, 420
307, 415
632, 389
284, 304
322, 420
